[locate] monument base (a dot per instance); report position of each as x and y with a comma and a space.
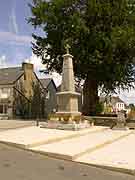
67, 126
66, 116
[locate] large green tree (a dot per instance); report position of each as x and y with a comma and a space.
101, 34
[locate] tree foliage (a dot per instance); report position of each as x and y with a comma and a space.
21, 102
37, 102
132, 106
101, 34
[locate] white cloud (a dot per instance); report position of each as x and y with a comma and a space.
10, 37
36, 61
128, 96
3, 62
13, 26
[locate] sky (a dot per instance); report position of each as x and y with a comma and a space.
16, 37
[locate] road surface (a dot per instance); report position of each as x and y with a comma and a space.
18, 164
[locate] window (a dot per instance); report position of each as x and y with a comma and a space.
47, 95
3, 109
5, 90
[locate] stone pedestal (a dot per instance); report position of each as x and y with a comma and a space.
68, 105
63, 125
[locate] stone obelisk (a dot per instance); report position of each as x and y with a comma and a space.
67, 98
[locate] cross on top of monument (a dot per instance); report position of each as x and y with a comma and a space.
67, 47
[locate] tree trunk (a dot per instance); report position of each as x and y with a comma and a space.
90, 96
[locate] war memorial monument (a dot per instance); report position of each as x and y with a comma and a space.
67, 115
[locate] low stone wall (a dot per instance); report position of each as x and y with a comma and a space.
102, 121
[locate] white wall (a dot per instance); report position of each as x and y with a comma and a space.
119, 106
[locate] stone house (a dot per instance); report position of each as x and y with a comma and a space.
51, 90
113, 104
14, 82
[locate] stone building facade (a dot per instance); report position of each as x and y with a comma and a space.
51, 90
16, 81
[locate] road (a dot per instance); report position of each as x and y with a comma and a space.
18, 164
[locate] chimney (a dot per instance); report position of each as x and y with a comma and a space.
28, 70
28, 78
27, 66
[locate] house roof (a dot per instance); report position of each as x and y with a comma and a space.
46, 81
10, 75
116, 99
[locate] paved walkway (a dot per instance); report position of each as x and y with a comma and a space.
99, 146
14, 124
72, 148
33, 136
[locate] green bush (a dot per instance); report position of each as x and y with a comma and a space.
99, 108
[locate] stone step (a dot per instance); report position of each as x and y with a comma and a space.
71, 149
118, 156
35, 136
